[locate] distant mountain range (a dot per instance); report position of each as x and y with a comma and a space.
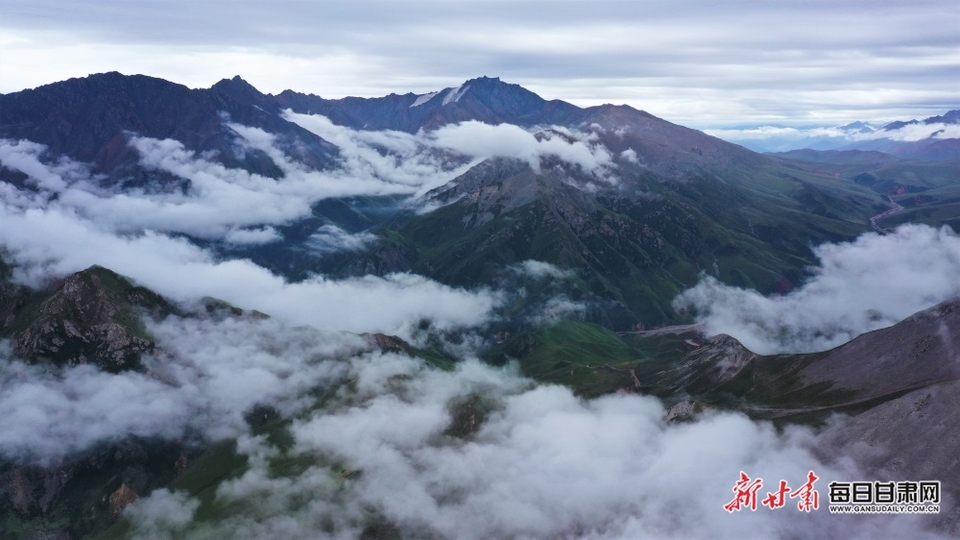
936, 138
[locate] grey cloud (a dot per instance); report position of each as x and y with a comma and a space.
695, 63
870, 283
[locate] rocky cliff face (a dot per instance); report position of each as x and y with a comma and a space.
90, 317
86, 494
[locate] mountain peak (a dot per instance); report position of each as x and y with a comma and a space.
235, 84
950, 117
484, 80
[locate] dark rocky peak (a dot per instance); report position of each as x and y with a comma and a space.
79, 116
497, 94
90, 120
493, 101
483, 99
93, 316
893, 126
238, 92
236, 83
99, 86
950, 117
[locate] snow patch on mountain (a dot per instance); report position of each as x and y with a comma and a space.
424, 98
455, 94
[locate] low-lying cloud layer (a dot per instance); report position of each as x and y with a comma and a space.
51, 242
540, 463
220, 203
330, 238
472, 139
240, 207
208, 375
870, 283
508, 141
477, 452
67, 223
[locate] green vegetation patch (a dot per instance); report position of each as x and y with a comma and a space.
585, 357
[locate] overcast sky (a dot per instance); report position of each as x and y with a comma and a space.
703, 64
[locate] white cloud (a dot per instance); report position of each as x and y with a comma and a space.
208, 375
23, 156
52, 242
914, 132
262, 235
779, 138
544, 464
540, 269
221, 201
872, 282
331, 238
399, 157
775, 132
162, 515
415, 157
506, 140
556, 308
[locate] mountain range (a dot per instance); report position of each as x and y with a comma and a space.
659, 204
244, 308
931, 139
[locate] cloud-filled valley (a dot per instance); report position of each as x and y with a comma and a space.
68, 221
857, 287
541, 462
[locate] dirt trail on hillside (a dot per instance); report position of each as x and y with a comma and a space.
894, 208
